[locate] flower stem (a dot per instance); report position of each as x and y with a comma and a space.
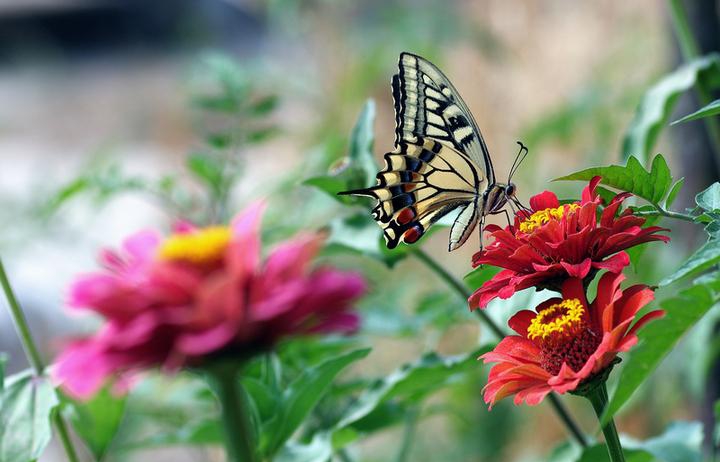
660, 211
239, 432
599, 398
33, 356
458, 286
461, 289
411, 421
690, 50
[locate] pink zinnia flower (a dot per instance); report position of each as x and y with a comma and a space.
566, 341
553, 242
199, 293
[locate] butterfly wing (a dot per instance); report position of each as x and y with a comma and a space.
428, 105
422, 181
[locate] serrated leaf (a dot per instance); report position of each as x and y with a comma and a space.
657, 339
652, 185
305, 391
26, 404
710, 110
705, 257
658, 102
97, 421
709, 199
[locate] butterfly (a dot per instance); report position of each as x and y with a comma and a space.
440, 162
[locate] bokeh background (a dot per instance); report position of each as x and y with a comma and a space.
100, 100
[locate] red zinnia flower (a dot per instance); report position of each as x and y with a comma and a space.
201, 292
554, 242
566, 341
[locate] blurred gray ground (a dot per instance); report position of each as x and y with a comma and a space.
85, 80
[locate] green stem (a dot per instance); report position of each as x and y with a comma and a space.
599, 398
690, 50
237, 426
661, 212
567, 419
33, 356
411, 421
461, 289
458, 286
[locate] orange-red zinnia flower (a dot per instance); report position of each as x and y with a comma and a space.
198, 293
566, 341
553, 242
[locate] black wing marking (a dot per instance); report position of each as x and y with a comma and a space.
428, 105
422, 181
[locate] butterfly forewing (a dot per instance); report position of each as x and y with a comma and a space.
427, 104
440, 162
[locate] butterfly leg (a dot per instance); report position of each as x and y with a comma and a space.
482, 226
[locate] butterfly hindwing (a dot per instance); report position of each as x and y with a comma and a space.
422, 181
428, 105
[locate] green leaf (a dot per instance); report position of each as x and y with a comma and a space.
261, 135
411, 382
480, 275
705, 257
264, 105
204, 433
680, 442
207, 169
306, 390
360, 234
672, 195
709, 199
358, 169
652, 185
26, 404
658, 102
98, 420
712, 109
599, 453
657, 339
3, 363
318, 450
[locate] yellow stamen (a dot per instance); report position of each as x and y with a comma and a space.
199, 247
558, 318
541, 217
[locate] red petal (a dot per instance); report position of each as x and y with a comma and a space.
521, 321
544, 200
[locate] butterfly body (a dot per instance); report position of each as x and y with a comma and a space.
440, 162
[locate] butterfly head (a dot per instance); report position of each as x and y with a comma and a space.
510, 190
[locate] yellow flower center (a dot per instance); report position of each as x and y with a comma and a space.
560, 318
541, 217
202, 246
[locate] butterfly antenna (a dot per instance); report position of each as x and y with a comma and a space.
522, 153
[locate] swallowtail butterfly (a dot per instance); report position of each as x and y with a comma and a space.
440, 162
